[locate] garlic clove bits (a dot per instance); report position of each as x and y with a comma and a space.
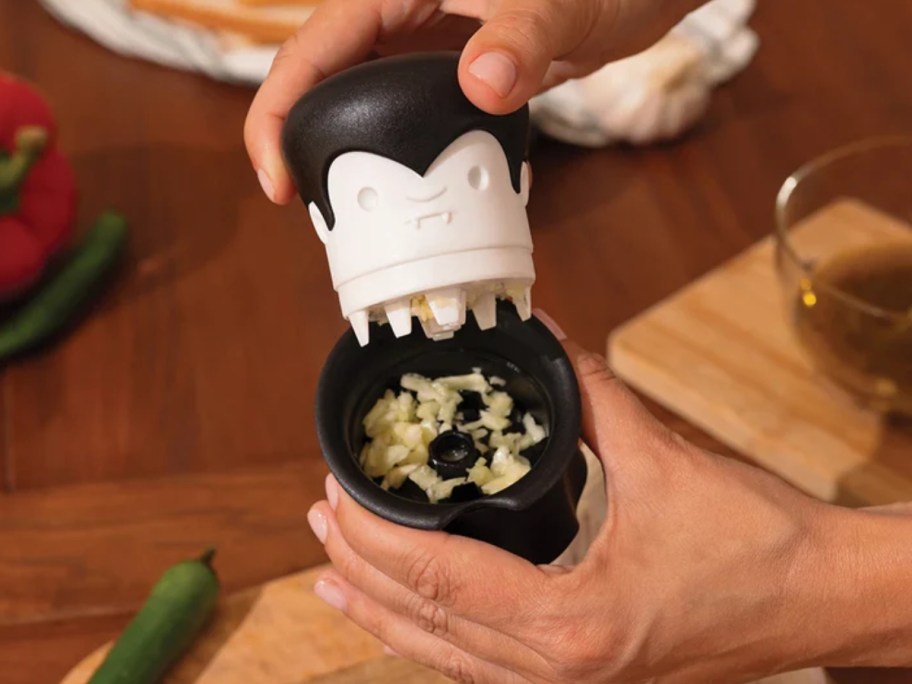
652, 96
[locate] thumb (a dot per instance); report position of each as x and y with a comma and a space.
504, 64
615, 422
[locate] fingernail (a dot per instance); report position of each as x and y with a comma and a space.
330, 594
390, 652
318, 524
550, 324
332, 492
495, 69
266, 184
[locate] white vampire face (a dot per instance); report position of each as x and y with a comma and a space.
386, 214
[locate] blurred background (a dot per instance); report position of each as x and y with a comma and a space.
179, 412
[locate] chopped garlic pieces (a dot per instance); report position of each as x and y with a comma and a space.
473, 382
428, 410
425, 389
499, 403
425, 477
396, 477
479, 473
535, 433
507, 468
444, 489
494, 422
400, 428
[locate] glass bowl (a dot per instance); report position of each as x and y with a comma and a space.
844, 257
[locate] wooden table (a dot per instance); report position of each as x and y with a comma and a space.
180, 414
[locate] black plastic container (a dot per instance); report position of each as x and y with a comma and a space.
536, 517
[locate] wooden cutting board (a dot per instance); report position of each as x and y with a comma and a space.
722, 353
280, 633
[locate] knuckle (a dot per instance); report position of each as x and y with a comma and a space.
370, 620
575, 662
288, 49
402, 12
348, 564
431, 617
427, 576
577, 649
528, 28
458, 668
292, 55
594, 366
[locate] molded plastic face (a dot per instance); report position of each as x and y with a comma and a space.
386, 214
407, 108
418, 195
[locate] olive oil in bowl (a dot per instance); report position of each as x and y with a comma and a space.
854, 315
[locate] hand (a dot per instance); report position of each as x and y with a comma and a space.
700, 573
522, 47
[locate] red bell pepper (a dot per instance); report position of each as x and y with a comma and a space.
37, 187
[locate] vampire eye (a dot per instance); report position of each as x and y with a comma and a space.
478, 177
368, 199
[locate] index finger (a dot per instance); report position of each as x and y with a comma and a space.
474, 580
337, 36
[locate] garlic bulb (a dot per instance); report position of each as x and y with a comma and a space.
658, 94
653, 96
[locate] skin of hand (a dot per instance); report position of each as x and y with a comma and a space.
706, 570
511, 49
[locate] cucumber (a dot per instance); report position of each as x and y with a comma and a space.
165, 626
61, 298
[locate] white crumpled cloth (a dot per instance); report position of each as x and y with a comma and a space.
653, 96
658, 94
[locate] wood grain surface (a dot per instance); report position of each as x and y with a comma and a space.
723, 353
180, 413
281, 632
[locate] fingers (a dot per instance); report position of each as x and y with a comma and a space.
504, 64
337, 35
613, 417
451, 571
614, 420
490, 645
408, 640
443, 32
